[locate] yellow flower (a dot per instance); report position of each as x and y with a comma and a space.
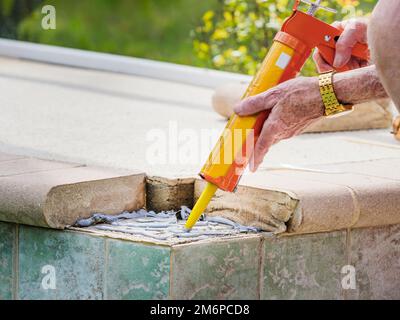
204, 47
208, 26
220, 34
208, 15
242, 49
228, 16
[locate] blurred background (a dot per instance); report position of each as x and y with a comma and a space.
230, 35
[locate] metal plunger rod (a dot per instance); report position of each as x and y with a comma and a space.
314, 6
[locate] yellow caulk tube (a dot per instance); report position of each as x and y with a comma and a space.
223, 170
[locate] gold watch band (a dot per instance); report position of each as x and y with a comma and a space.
331, 103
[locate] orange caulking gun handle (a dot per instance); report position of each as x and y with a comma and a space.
315, 33
360, 50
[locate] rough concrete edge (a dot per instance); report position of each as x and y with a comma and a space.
292, 223
173, 183
55, 189
164, 194
277, 224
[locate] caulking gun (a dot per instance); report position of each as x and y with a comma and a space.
292, 46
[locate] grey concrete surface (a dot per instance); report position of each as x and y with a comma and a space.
107, 119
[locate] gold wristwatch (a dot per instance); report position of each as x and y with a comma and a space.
333, 107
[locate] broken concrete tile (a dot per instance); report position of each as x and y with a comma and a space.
8, 234
60, 265
304, 266
376, 199
375, 255
31, 165
137, 271
8, 157
226, 269
321, 206
169, 194
57, 198
265, 209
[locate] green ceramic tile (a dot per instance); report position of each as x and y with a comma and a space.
137, 271
60, 264
304, 266
7, 249
227, 269
375, 255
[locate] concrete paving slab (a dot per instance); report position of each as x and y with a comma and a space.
122, 121
63, 193
376, 200
108, 119
31, 165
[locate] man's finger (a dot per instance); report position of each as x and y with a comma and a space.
264, 143
340, 24
263, 101
354, 32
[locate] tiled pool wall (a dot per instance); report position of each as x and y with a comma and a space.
37, 263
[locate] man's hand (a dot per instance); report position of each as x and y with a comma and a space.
354, 30
295, 104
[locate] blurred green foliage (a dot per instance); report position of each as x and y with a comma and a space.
237, 35
153, 29
232, 35
12, 12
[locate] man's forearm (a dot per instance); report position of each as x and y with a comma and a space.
358, 86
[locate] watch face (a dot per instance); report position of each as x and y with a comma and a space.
340, 114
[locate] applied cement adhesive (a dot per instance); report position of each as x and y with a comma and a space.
163, 226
